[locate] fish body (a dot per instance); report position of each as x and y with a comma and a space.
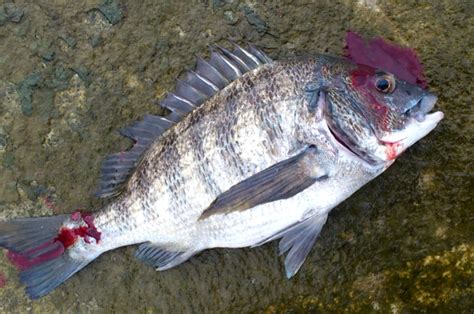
254, 150
236, 135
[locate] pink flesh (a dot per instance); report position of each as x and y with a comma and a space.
75, 216
381, 54
66, 238
392, 150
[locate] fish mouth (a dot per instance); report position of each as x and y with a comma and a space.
420, 123
422, 107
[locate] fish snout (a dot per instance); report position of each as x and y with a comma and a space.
422, 107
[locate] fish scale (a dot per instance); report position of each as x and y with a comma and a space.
253, 150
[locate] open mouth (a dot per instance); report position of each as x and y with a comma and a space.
420, 123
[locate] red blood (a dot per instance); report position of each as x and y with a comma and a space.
391, 150
381, 54
3, 280
69, 236
360, 77
27, 259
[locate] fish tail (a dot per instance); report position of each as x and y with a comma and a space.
35, 249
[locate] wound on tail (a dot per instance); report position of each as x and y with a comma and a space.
36, 246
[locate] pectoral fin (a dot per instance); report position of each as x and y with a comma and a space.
280, 181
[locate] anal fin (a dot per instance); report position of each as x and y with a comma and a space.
297, 240
161, 258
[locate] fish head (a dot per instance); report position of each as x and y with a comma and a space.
376, 115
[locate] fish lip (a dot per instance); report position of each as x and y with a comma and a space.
428, 102
422, 107
397, 142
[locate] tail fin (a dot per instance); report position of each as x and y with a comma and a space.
34, 249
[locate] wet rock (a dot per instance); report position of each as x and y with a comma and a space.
60, 79
218, 3
69, 40
254, 19
96, 40
9, 12
112, 11
230, 17
30, 190
83, 73
9, 161
25, 91
44, 49
3, 280
96, 27
71, 104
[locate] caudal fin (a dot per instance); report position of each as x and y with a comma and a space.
33, 247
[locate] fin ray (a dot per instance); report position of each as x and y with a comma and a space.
297, 240
161, 258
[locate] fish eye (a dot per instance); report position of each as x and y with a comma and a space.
385, 84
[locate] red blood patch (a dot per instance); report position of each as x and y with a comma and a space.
23, 260
381, 54
69, 236
391, 149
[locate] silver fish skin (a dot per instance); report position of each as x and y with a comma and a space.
309, 115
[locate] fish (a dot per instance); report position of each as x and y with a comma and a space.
254, 150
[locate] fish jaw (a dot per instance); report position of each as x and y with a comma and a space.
397, 142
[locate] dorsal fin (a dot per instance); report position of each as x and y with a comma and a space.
208, 77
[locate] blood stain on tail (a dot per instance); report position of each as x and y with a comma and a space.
23, 261
54, 248
69, 236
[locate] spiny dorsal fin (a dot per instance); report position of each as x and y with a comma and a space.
212, 75
195, 88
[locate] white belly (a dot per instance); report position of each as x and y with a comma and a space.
249, 227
